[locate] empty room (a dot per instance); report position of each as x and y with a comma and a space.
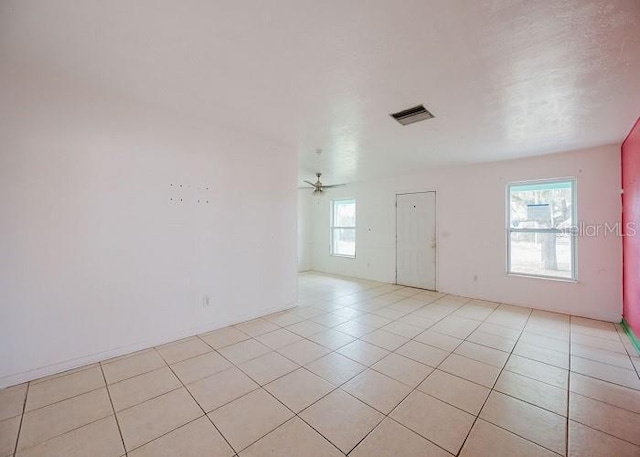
319, 228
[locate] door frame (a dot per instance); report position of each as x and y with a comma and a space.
437, 231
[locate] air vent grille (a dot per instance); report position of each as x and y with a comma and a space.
411, 115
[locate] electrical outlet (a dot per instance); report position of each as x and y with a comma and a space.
205, 301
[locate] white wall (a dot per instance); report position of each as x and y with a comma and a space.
472, 237
96, 261
305, 229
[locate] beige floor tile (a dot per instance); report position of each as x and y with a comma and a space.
342, 419
547, 342
483, 354
151, 419
402, 369
53, 420
284, 318
183, 349
12, 401
435, 420
549, 318
606, 392
616, 375
278, 338
402, 329
548, 356
377, 390
585, 441
602, 356
487, 440
221, 388
532, 391
129, 367
390, 312
439, 340
330, 319
372, 320
294, 438
598, 343
392, 439
306, 328
9, 435
199, 367
307, 312
423, 353
475, 311
97, 439
224, 337
257, 327
493, 341
249, 418
457, 327
615, 421
456, 391
544, 327
299, 389
195, 439
355, 329
592, 327
75, 370
243, 351
363, 352
303, 352
57, 389
385, 340
530, 422
514, 318
335, 368
499, 330
418, 321
268, 367
537, 370
331, 339
133, 391
349, 313
469, 369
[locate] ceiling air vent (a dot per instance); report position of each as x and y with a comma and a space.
411, 115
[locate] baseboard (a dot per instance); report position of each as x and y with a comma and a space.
59, 367
634, 340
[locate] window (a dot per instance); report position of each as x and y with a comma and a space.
343, 228
540, 236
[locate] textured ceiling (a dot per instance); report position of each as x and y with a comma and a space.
504, 78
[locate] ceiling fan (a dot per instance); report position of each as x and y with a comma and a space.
318, 187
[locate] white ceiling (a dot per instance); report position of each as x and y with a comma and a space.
504, 78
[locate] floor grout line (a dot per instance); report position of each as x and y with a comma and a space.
115, 416
24, 407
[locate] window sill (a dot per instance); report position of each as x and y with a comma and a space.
547, 278
343, 256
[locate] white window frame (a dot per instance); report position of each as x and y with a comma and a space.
574, 241
333, 228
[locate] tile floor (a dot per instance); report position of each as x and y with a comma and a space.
359, 368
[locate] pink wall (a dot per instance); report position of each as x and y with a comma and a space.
631, 215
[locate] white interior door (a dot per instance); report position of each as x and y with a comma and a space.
416, 240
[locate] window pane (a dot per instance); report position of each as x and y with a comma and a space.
541, 205
344, 242
344, 213
544, 254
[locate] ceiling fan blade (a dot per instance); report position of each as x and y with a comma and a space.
310, 183
306, 187
333, 185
